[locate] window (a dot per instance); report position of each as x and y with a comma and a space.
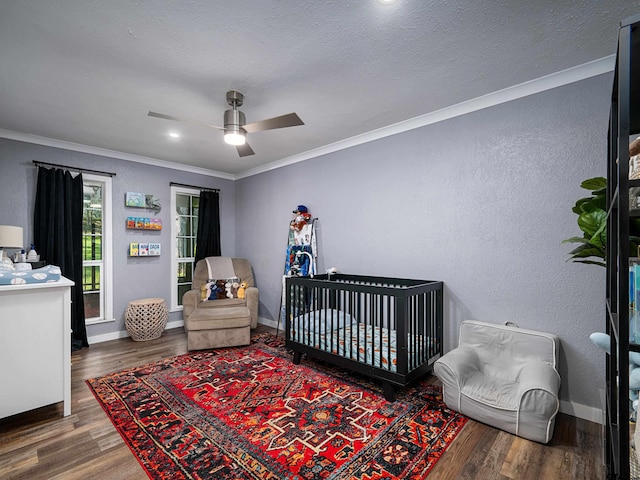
184, 230
96, 249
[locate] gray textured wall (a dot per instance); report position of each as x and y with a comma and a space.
481, 202
133, 277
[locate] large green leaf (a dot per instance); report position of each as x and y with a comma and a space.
586, 246
600, 237
577, 209
593, 224
588, 252
595, 184
589, 204
591, 262
580, 207
599, 202
575, 240
587, 249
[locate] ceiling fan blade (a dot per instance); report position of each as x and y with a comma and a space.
245, 150
183, 120
288, 120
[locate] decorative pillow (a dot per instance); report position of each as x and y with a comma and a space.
220, 288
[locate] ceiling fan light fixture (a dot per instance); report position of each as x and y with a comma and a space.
233, 121
234, 138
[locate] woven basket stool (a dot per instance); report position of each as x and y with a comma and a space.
146, 319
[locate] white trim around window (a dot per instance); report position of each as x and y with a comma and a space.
106, 280
175, 190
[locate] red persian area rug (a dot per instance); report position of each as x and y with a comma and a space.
250, 413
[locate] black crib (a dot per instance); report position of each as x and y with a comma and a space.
387, 328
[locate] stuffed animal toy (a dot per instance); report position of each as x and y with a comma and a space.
602, 340
231, 287
301, 217
210, 290
205, 291
221, 292
241, 290
300, 221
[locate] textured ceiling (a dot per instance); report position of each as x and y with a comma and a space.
88, 71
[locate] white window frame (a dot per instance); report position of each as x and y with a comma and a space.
106, 270
175, 190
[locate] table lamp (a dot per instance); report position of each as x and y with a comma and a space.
10, 237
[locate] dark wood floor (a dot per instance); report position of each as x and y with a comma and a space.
43, 445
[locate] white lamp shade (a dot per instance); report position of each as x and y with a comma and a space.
11, 237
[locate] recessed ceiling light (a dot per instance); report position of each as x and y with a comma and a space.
174, 134
386, 2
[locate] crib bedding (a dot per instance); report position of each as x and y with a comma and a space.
319, 320
375, 346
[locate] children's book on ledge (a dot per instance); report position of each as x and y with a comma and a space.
144, 249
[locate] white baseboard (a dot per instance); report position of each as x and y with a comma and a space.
105, 337
268, 322
584, 412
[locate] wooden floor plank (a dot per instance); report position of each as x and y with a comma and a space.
20, 461
453, 461
42, 444
489, 456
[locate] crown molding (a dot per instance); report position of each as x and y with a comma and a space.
531, 87
78, 147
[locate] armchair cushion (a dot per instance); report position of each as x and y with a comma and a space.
503, 376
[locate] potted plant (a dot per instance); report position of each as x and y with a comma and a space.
592, 220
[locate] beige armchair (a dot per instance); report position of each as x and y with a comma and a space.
222, 322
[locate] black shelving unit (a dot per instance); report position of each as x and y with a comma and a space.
624, 121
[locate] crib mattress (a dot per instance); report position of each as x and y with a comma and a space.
375, 346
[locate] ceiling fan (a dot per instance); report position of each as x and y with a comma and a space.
235, 126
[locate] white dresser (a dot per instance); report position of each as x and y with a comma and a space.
35, 346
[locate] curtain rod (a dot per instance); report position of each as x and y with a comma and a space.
174, 184
77, 169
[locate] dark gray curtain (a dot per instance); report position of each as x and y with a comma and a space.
57, 233
208, 238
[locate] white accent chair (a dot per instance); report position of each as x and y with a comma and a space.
503, 376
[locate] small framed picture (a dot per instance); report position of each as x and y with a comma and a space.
134, 199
